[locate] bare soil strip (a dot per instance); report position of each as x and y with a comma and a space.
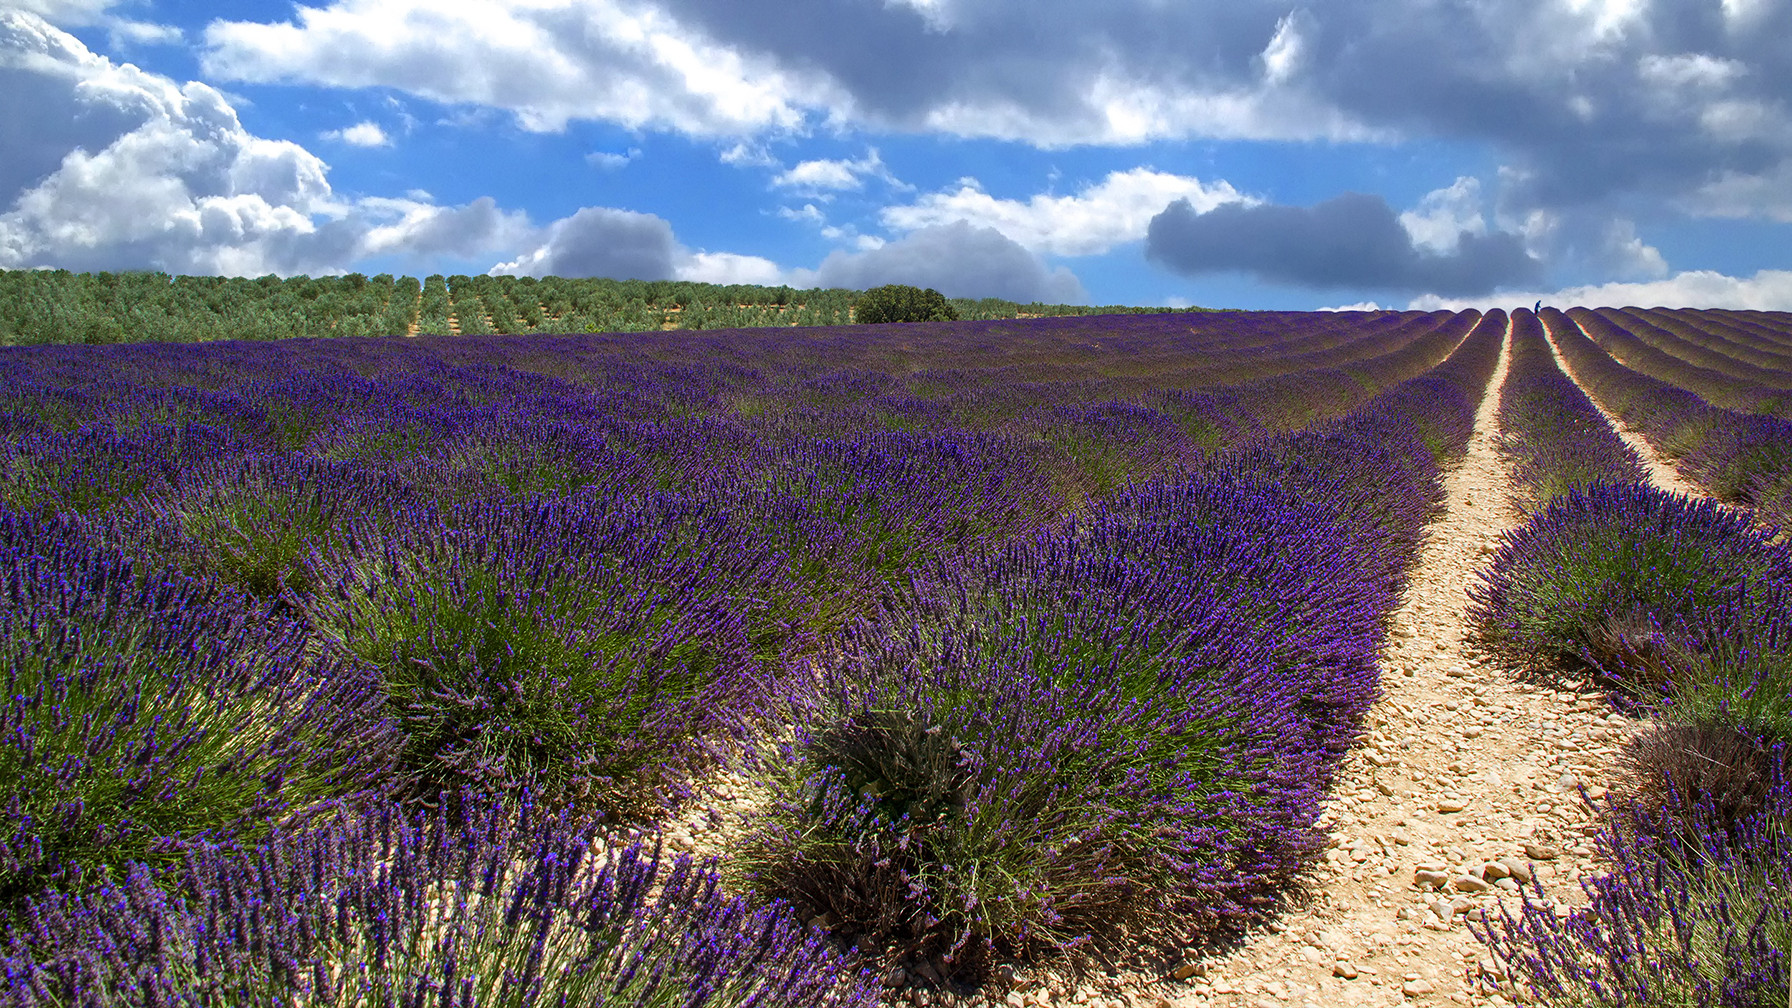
1465, 763
1661, 473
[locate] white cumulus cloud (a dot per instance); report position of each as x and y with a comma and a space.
119, 168
1281, 57
612, 160
727, 268
825, 175
361, 134
1766, 290
1443, 215
417, 227
545, 61
1091, 221
142, 172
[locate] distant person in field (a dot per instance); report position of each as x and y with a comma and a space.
1538, 308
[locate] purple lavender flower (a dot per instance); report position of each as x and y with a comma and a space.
1702, 918
148, 711
498, 906
1603, 579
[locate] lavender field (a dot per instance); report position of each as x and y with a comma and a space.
357, 671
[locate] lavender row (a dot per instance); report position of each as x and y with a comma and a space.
1705, 338
1120, 726
1638, 345
1700, 919
1736, 457
1300, 399
1679, 606
1554, 438
1634, 338
1767, 335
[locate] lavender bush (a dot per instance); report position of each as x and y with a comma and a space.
147, 711
531, 448
1036, 784
905, 497
1698, 919
1107, 444
95, 470
254, 519
1601, 579
592, 653
495, 907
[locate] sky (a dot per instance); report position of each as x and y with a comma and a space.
1227, 153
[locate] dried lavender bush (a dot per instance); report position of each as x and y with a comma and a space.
1723, 725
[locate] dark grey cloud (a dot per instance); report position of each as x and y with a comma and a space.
900, 63
1590, 102
461, 232
958, 260
602, 242
1351, 241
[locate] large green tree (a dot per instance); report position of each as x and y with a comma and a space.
902, 303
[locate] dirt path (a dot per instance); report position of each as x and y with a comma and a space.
1465, 763
1660, 472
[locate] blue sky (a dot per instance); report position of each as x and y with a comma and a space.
1233, 153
